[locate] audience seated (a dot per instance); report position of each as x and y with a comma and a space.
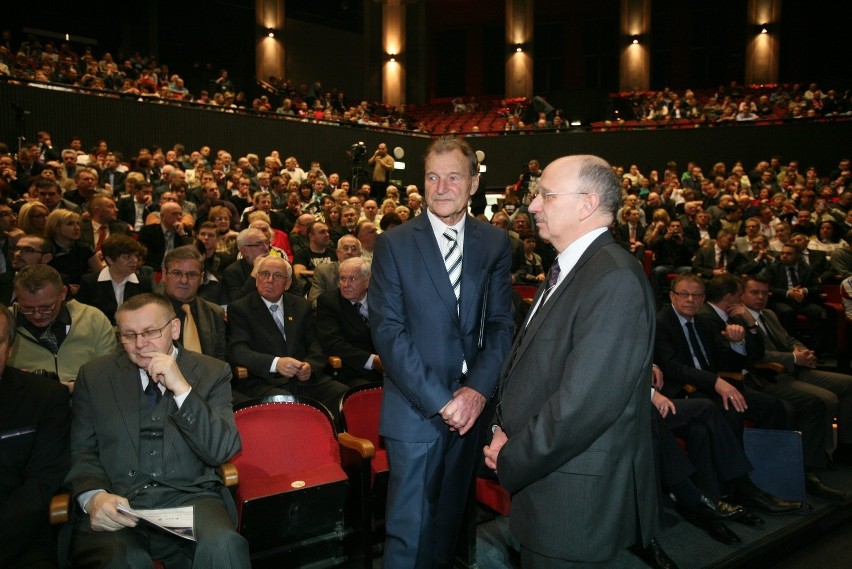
327, 275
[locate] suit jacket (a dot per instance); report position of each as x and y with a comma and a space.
732, 360
254, 339
574, 399
781, 349
105, 427
101, 295
87, 232
34, 418
419, 333
127, 210
777, 274
117, 183
153, 238
705, 262
622, 233
210, 322
325, 279
342, 332
672, 354
818, 262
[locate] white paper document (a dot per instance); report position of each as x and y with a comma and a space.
177, 521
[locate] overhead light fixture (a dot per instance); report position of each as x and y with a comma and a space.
391, 57
763, 29
519, 47
635, 40
270, 32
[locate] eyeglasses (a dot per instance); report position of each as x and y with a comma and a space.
276, 277
259, 244
28, 310
546, 195
129, 337
26, 250
190, 275
687, 295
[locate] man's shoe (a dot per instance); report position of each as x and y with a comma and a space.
769, 504
709, 509
655, 556
720, 532
817, 487
749, 519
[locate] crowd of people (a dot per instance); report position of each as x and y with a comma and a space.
83, 233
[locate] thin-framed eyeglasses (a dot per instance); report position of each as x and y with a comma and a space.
190, 275
27, 310
545, 196
276, 277
129, 337
686, 295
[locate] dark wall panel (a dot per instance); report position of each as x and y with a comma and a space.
128, 125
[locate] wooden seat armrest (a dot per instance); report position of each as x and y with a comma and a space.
774, 367
241, 372
59, 508
335, 362
229, 474
732, 375
689, 388
363, 447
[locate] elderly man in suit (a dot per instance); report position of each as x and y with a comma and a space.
326, 276
149, 426
583, 493
202, 323
162, 237
441, 319
34, 458
342, 326
272, 334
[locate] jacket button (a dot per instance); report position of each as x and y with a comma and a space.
132, 473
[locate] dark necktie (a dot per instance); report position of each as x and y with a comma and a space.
552, 278
153, 393
362, 313
695, 343
48, 340
794, 276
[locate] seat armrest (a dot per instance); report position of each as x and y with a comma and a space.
363, 447
335, 362
59, 508
774, 367
229, 474
241, 372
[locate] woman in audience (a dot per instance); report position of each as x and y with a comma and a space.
403, 212
120, 279
71, 258
227, 241
32, 218
828, 239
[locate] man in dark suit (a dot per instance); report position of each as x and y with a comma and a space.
238, 278
34, 420
111, 178
630, 234
272, 334
690, 351
441, 336
149, 426
816, 260
202, 323
796, 291
721, 258
165, 236
101, 223
580, 494
342, 326
834, 389
133, 209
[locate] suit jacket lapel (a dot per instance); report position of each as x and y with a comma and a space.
127, 389
471, 294
430, 253
187, 366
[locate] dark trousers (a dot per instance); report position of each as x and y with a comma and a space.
427, 494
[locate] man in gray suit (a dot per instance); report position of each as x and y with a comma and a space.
149, 427
573, 444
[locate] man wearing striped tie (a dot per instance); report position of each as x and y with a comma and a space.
441, 319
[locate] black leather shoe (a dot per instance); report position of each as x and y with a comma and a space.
655, 556
769, 504
720, 532
816, 487
709, 509
750, 519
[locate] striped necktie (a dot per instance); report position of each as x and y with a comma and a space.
453, 262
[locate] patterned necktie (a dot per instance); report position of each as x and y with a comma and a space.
273, 308
153, 393
453, 262
362, 313
48, 340
191, 341
552, 279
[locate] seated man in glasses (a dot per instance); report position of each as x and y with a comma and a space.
149, 427
55, 337
29, 250
272, 334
